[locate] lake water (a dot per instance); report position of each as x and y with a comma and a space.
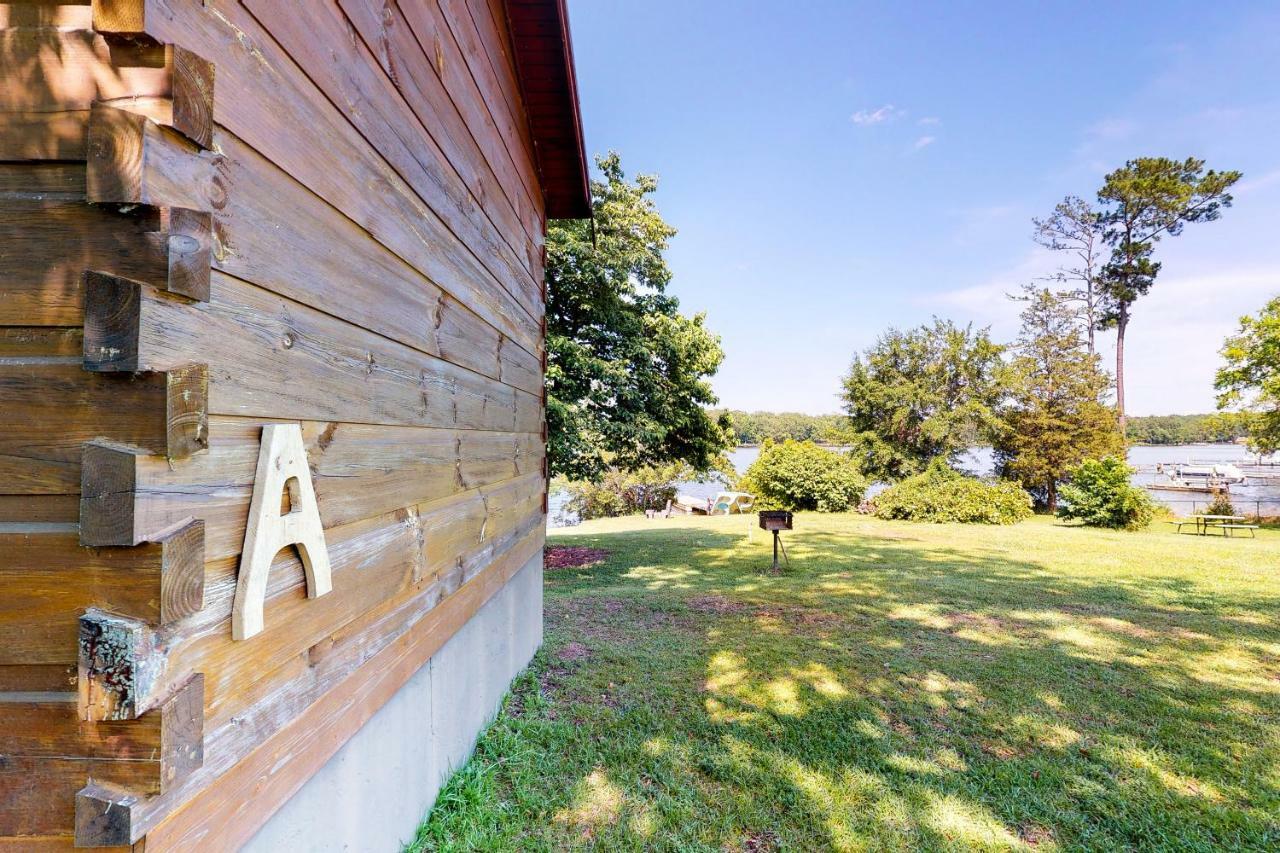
1250, 497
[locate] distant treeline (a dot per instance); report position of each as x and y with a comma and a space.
755, 427
1186, 429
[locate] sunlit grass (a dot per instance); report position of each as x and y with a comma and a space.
900, 687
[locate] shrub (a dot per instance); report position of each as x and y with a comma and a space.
1101, 495
942, 494
626, 492
799, 475
1221, 505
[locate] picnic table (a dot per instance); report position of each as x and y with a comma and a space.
1226, 523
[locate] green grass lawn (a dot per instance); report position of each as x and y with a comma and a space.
902, 686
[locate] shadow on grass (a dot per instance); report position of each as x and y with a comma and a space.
888, 691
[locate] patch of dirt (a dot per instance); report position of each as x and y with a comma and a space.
716, 604
567, 557
573, 651
1033, 834
760, 842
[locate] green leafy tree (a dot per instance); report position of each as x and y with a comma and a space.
923, 394
627, 374
1146, 200
1101, 495
802, 475
1250, 378
1056, 415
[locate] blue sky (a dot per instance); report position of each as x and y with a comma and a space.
837, 168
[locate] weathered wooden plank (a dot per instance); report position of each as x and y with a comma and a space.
132, 159
372, 562
274, 358
38, 678
276, 233
40, 341
359, 471
46, 246
461, 126
366, 189
53, 76
43, 136
39, 509
484, 49
504, 102
273, 690
51, 406
46, 13
47, 579
316, 37
41, 180
147, 755
319, 711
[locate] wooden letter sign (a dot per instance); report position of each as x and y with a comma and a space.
282, 475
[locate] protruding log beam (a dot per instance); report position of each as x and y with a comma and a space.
123, 17
149, 755
47, 579
58, 74
50, 407
48, 244
133, 160
187, 240
119, 667
107, 815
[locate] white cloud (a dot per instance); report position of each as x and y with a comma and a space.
866, 118
1172, 348
1252, 185
929, 120
924, 142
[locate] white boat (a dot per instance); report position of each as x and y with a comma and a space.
1216, 473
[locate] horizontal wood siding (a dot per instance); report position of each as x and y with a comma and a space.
216, 216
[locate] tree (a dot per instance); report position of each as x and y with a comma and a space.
627, 374
1074, 227
1144, 201
1101, 494
1250, 378
1057, 415
923, 394
800, 475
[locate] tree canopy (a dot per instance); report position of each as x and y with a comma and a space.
927, 393
1057, 413
1250, 378
1144, 201
627, 373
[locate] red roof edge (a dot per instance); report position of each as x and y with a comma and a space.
543, 51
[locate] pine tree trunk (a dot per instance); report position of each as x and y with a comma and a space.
1122, 324
1051, 499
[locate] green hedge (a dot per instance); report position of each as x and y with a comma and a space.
942, 494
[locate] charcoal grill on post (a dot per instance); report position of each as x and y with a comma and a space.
776, 521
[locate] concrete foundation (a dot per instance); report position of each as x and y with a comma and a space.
375, 791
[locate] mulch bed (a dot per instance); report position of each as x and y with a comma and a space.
565, 557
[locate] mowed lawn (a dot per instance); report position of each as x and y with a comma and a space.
902, 686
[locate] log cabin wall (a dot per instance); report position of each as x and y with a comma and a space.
214, 216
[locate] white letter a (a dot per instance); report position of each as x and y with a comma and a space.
282, 464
